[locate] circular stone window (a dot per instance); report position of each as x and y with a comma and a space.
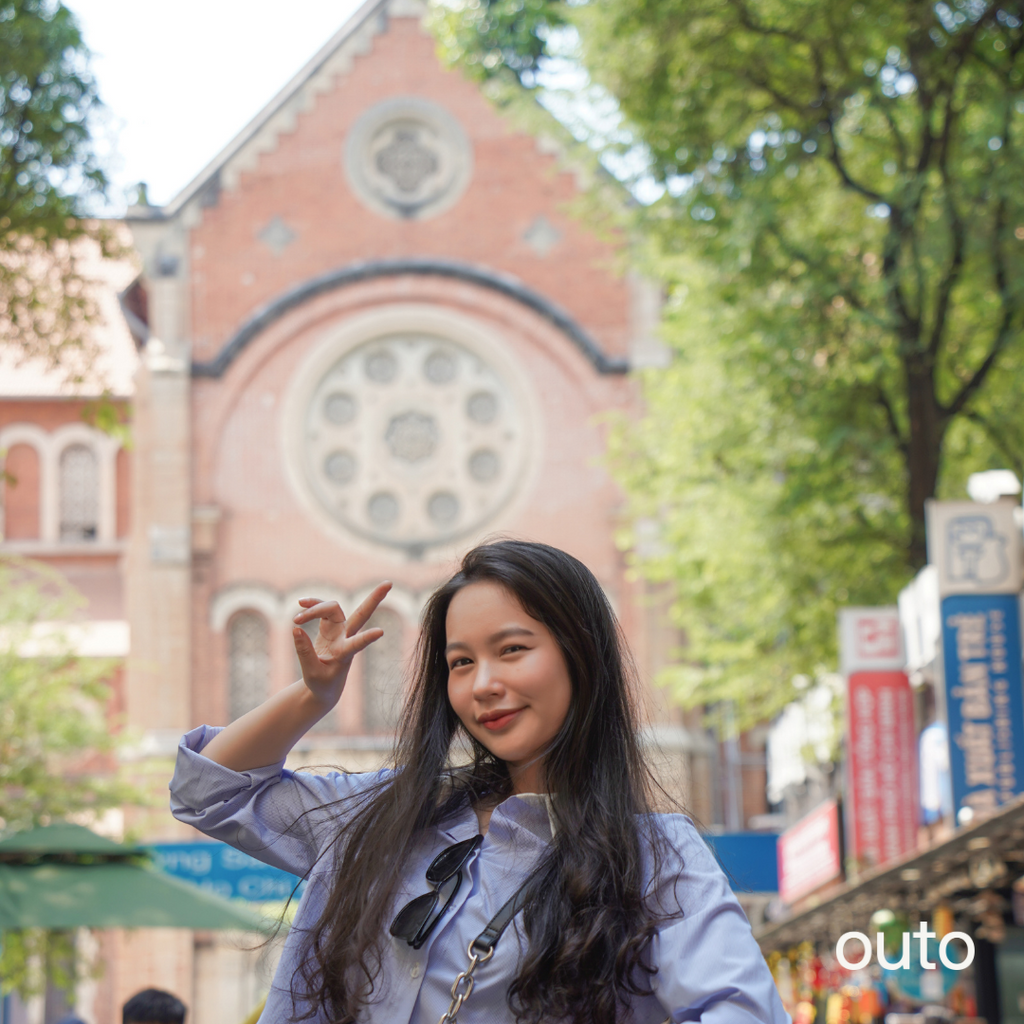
411, 440
408, 158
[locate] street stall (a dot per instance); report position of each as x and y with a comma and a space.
971, 883
64, 877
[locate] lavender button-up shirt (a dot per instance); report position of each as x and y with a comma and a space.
710, 968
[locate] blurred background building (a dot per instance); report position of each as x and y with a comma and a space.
369, 335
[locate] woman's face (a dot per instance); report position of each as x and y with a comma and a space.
507, 679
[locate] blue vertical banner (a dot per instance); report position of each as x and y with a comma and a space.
984, 701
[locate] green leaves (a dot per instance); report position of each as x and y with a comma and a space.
49, 176
842, 211
55, 742
841, 193
47, 167
491, 38
759, 495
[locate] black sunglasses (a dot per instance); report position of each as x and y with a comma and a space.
416, 920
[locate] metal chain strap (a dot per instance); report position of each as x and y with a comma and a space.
465, 978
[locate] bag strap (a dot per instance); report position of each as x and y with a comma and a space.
481, 949
488, 938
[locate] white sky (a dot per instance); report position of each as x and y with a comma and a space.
180, 79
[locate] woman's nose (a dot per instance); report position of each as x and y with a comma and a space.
486, 681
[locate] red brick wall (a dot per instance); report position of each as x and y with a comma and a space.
47, 413
303, 181
266, 536
21, 493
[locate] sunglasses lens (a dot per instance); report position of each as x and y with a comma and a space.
449, 861
413, 916
417, 918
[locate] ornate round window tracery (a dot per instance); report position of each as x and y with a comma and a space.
408, 157
412, 440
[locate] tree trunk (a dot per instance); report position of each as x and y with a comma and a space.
924, 449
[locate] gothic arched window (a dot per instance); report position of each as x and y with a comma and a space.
382, 674
248, 662
79, 494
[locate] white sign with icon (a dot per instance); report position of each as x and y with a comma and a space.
976, 548
870, 640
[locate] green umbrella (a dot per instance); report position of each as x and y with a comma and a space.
66, 876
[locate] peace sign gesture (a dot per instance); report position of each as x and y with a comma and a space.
325, 662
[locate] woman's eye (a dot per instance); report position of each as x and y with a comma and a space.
512, 648
457, 663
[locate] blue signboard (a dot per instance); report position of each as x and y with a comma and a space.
225, 871
749, 859
984, 703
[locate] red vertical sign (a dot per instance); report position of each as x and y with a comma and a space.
882, 795
808, 853
882, 756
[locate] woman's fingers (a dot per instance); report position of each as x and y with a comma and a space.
309, 661
361, 615
316, 669
363, 640
340, 643
317, 609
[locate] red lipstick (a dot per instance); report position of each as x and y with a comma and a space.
498, 719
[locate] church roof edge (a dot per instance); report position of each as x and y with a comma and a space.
209, 174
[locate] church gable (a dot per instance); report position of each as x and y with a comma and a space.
379, 155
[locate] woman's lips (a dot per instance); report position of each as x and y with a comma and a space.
499, 723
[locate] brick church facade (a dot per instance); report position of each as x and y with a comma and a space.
369, 335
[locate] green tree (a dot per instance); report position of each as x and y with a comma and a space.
56, 745
841, 236
854, 171
499, 38
49, 176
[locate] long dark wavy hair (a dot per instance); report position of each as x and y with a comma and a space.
588, 937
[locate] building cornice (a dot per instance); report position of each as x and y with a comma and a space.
356, 273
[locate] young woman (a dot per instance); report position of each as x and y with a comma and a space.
510, 845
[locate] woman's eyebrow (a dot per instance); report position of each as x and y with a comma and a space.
504, 634
494, 638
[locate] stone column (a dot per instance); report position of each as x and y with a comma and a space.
159, 561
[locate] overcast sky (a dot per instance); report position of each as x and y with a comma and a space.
180, 79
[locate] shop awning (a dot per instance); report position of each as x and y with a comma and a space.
65, 876
987, 854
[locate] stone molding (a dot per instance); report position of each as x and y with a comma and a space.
476, 341
355, 273
407, 157
279, 606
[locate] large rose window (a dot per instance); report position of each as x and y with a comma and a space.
412, 440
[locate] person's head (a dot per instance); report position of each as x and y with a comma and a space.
525, 629
153, 1006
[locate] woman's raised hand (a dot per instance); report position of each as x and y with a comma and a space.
325, 662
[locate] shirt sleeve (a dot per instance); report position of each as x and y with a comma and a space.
710, 968
282, 818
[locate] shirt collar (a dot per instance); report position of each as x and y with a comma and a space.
531, 811
539, 800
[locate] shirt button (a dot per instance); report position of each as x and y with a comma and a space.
415, 972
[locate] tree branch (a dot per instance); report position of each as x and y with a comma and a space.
890, 272
1015, 458
1003, 333
748, 22
890, 415
837, 162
